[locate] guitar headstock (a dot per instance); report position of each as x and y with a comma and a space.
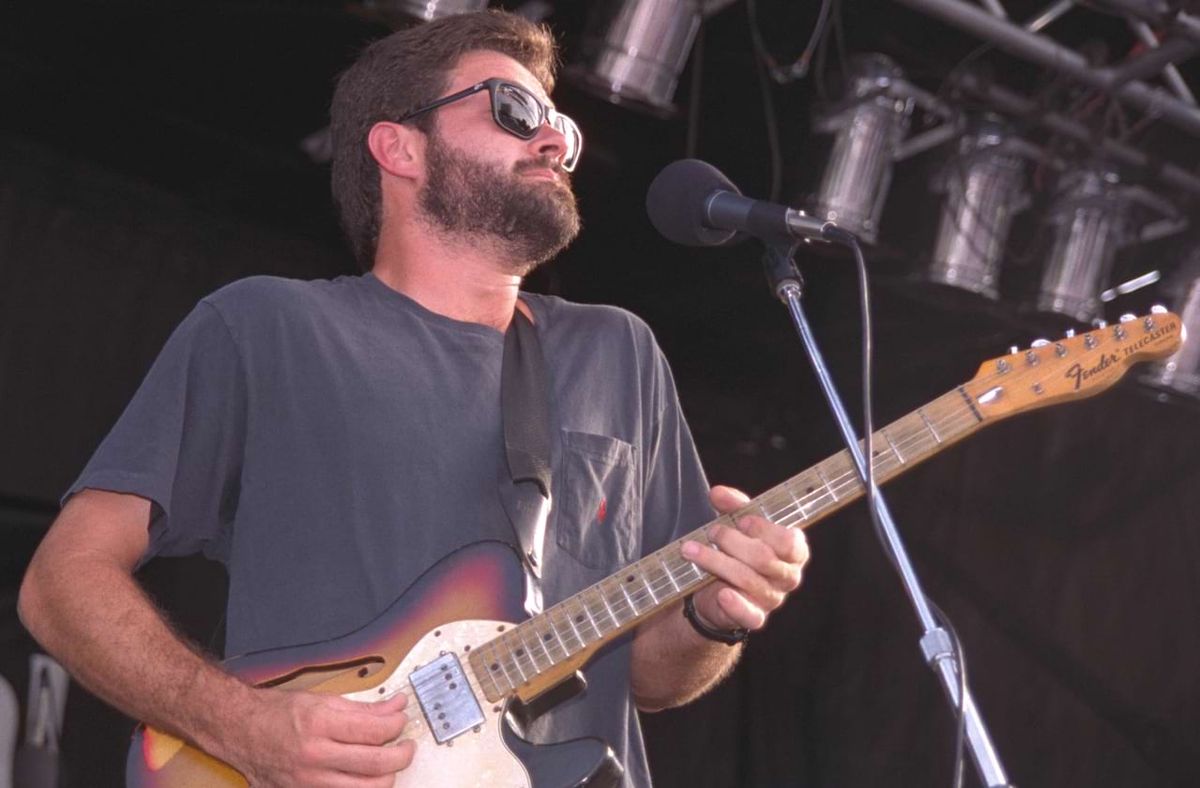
1073, 367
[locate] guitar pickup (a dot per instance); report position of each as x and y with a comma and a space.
446, 698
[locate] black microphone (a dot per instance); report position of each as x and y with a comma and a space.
691, 202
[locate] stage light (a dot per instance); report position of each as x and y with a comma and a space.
983, 183
868, 124
1091, 220
634, 50
426, 10
1181, 372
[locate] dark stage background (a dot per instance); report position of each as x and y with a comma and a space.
149, 153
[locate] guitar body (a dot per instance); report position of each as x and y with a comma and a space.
458, 604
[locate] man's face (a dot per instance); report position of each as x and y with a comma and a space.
483, 181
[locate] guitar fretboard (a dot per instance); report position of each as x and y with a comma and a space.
621, 601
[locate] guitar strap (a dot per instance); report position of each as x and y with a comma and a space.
525, 415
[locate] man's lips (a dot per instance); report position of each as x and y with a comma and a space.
539, 172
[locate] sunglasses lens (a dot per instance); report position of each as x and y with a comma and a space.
517, 111
574, 141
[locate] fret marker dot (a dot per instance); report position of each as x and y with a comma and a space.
520, 652
629, 578
495, 666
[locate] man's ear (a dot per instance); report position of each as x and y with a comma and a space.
398, 149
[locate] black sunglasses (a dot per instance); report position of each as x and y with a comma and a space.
518, 112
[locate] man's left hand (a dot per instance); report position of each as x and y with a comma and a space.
757, 563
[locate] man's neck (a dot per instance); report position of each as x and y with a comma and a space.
461, 282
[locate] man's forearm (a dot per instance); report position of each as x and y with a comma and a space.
673, 664
93, 617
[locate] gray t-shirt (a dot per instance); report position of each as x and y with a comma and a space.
330, 440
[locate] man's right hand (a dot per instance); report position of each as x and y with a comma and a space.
306, 739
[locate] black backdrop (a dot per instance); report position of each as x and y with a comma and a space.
154, 157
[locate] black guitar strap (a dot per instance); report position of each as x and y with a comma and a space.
525, 414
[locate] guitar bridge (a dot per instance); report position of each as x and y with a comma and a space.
446, 698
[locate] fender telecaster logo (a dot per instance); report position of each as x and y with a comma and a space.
1080, 374
1158, 333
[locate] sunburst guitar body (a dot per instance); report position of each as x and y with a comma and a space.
460, 604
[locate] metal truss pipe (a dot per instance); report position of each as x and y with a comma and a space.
1170, 72
1046, 52
1014, 104
1152, 61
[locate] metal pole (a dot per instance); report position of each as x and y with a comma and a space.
1157, 58
1170, 72
935, 643
1051, 13
1039, 49
1015, 104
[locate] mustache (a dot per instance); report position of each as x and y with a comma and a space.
541, 163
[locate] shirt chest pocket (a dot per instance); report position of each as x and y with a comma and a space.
599, 508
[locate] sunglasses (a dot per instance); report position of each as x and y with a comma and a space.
518, 112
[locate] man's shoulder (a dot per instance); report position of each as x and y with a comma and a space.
256, 291
258, 298
576, 316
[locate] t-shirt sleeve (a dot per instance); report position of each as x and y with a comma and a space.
179, 441
676, 489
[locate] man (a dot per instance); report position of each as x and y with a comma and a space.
328, 441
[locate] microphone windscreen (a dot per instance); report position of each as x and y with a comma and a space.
676, 202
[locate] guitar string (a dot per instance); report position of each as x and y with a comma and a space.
788, 515
628, 604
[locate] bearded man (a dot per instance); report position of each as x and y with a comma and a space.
330, 441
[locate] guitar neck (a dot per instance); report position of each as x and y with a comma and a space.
534, 653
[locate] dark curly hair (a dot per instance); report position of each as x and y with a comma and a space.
400, 73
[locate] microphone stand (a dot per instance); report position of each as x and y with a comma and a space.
936, 645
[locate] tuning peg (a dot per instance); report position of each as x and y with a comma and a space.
1098, 323
1013, 350
1040, 343
1158, 309
1070, 333
1128, 317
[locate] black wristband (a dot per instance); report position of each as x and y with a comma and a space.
729, 637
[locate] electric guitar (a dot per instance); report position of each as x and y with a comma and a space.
452, 644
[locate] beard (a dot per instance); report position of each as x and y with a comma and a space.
526, 221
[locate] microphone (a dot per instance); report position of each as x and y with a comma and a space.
691, 202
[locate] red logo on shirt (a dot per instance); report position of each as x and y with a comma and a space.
602, 510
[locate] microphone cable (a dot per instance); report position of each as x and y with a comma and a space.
959, 657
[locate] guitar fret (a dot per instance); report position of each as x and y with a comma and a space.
553, 640
587, 611
604, 598
649, 588
825, 481
667, 569
892, 444
521, 633
516, 663
628, 598
496, 662
929, 425
522, 653
796, 501
575, 629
